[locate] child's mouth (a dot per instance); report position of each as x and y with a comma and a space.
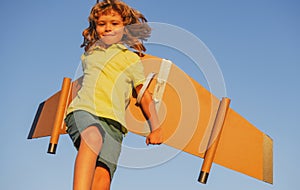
109, 34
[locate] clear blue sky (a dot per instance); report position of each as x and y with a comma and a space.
256, 46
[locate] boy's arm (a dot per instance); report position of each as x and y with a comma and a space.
148, 108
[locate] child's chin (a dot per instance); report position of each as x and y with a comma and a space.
109, 42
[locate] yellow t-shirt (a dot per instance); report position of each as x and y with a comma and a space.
109, 77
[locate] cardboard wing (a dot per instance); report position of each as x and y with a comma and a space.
192, 118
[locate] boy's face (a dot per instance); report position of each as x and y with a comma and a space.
110, 28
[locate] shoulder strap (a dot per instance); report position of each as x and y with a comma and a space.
145, 86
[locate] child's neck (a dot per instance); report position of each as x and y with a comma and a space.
106, 46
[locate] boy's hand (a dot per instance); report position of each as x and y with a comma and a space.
155, 137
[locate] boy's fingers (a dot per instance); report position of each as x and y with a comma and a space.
152, 140
148, 141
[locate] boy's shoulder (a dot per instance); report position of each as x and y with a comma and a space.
131, 55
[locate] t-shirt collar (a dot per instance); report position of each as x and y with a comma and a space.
121, 46
118, 45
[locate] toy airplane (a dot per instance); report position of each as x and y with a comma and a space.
193, 120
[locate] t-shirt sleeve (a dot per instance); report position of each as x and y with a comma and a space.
136, 70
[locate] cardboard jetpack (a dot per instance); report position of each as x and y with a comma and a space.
192, 119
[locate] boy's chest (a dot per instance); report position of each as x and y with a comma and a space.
110, 62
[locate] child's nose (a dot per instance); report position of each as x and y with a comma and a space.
108, 27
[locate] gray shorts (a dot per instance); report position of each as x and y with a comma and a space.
110, 130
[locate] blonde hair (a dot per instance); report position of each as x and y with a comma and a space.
136, 28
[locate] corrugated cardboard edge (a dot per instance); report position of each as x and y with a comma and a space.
267, 159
